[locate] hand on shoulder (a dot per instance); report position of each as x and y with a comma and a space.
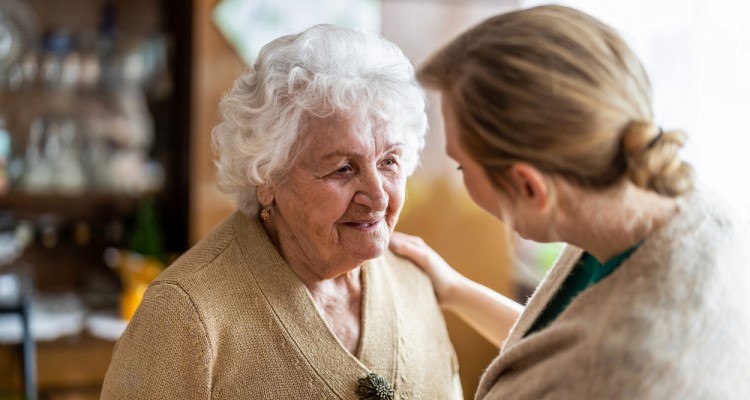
444, 278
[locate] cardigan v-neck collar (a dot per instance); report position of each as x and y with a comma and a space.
306, 328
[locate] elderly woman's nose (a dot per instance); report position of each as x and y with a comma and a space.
371, 192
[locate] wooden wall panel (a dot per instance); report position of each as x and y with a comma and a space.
215, 67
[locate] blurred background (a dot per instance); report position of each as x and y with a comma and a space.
106, 109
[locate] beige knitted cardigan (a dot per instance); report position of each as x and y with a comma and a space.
672, 322
230, 320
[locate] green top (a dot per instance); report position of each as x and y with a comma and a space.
587, 272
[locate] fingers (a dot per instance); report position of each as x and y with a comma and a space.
403, 242
402, 245
400, 236
400, 239
411, 247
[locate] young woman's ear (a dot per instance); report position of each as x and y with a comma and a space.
531, 184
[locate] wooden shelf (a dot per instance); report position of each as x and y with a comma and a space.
86, 205
70, 364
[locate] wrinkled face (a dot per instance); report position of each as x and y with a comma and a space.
476, 181
342, 198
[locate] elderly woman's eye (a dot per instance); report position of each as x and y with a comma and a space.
390, 161
344, 169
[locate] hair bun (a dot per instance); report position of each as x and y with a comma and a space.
653, 159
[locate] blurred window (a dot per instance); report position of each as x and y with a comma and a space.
697, 53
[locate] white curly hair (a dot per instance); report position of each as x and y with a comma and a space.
323, 71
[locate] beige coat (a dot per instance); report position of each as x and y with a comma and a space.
672, 322
230, 320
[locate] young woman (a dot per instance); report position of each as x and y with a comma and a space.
549, 115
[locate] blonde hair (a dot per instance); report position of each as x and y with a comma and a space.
562, 91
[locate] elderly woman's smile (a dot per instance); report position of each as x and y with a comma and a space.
364, 226
342, 197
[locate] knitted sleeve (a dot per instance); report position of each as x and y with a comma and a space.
164, 353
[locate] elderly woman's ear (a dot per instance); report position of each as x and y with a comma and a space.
265, 195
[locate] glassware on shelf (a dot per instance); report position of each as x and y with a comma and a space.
80, 120
5, 154
68, 171
17, 35
37, 176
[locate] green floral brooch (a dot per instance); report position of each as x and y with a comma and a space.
374, 387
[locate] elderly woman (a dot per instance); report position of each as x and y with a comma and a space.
295, 296
548, 113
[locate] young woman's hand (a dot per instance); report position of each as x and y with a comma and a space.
487, 311
444, 278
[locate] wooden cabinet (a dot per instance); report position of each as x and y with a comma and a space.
70, 229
